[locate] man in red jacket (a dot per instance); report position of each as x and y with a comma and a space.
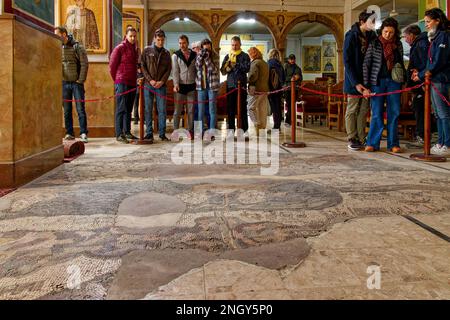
123, 67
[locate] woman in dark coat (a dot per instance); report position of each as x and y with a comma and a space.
382, 55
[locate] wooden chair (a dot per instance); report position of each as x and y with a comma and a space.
312, 105
336, 106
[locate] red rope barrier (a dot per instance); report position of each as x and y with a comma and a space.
360, 96
103, 99
185, 101
440, 94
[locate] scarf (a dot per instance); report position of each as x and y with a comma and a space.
233, 55
389, 47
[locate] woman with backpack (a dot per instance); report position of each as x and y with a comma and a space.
277, 77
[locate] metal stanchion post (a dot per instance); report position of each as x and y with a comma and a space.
427, 156
141, 140
239, 96
293, 143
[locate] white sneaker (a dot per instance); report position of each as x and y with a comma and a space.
69, 137
443, 151
84, 138
436, 148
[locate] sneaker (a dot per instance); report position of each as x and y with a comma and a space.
419, 141
84, 138
122, 139
354, 145
130, 136
69, 137
164, 138
149, 137
369, 149
396, 150
436, 148
444, 151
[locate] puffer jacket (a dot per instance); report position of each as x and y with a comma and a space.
124, 63
75, 61
438, 61
373, 61
156, 66
184, 71
259, 75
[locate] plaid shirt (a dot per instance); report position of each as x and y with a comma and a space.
212, 73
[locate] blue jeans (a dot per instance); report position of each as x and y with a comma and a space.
442, 111
124, 108
204, 95
393, 112
160, 106
74, 91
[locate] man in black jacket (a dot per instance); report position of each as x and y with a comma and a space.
418, 56
356, 42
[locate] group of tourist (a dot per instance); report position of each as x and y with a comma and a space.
374, 67
373, 64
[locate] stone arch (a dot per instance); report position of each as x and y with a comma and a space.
171, 15
255, 15
334, 26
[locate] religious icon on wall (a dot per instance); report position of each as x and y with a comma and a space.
85, 20
280, 22
430, 4
43, 10
312, 59
215, 21
329, 49
328, 65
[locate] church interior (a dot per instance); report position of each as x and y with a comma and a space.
301, 217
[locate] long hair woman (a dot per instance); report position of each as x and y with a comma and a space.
384, 71
438, 64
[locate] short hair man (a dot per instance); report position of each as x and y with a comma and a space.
123, 67
418, 57
156, 65
75, 69
356, 42
235, 66
293, 73
183, 74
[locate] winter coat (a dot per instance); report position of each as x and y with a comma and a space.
156, 66
438, 62
184, 71
354, 53
75, 61
239, 72
374, 61
212, 71
123, 63
259, 75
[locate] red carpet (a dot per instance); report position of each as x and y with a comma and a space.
4, 192
72, 150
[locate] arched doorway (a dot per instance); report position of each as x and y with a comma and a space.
334, 28
252, 33
187, 18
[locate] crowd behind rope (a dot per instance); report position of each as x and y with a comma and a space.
373, 61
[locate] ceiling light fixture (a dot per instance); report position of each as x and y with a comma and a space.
177, 19
250, 21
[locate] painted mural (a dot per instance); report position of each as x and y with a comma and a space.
85, 19
42, 10
117, 22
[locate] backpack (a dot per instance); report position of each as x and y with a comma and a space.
274, 79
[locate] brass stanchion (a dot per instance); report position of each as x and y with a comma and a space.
239, 96
426, 155
293, 143
141, 140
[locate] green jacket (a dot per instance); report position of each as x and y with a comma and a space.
292, 70
75, 62
259, 75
